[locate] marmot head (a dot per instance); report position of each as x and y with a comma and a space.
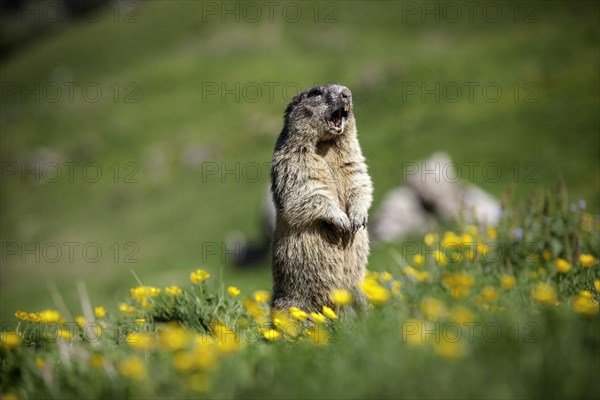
322, 110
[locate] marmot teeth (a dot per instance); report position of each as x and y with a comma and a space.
346, 107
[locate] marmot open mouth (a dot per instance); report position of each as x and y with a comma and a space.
339, 116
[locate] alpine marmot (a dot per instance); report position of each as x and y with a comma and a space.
322, 193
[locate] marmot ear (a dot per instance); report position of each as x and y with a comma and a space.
293, 103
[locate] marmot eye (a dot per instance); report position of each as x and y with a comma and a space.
314, 93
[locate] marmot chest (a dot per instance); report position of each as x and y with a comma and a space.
332, 170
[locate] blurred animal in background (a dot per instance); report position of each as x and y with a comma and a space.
427, 198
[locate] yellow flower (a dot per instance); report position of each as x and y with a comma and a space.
133, 368
376, 293
173, 291
489, 294
461, 315
183, 361
385, 276
96, 360
546, 255
396, 289
226, 339
583, 304
261, 296
542, 272
415, 274
298, 314
449, 349
271, 334
100, 312
508, 281
412, 332
418, 260
172, 336
140, 321
318, 335
10, 340
483, 249
329, 313
597, 285
544, 293
472, 230
34, 317
143, 292
50, 316
562, 265
431, 238
341, 297
205, 354
317, 318
440, 258
39, 362
126, 309
22, 315
255, 310
199, 275
491, 233
587, 260
233, 291
459, 283
433, 309
80, 321
140, 341
65, 334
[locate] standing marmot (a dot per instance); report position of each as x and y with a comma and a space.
322, 193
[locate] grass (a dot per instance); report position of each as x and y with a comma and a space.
480, 314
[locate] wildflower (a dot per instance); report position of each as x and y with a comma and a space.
10, 340
50, 316
255, 310
583, 304
492, 233
65, 334
172, 336
96, 360
233, 291
22, 315
433, 309
140, 341
508, 281
126, 308
461, 315
466, 239
418, 260
483, 249
415, 274
226, 339
141, 293
449, 349
546, 255
282, 321
440, 258
470, 255
544, 293
385, 276
489, 294
271, 335
173, 291
412, 332
472, 230
298, 314
183, 361
376, 293
140, 321
341, 297
317, 318
396, 289
199, 275
459, 283
100, 312
430, 238
133, 368
562, 265
587, 260
39, 362
542, 272
34, 317
205, 355
597, 285
261, 296
329, 313
318, 335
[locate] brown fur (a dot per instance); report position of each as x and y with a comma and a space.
322, 193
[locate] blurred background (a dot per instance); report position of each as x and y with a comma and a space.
136, 136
